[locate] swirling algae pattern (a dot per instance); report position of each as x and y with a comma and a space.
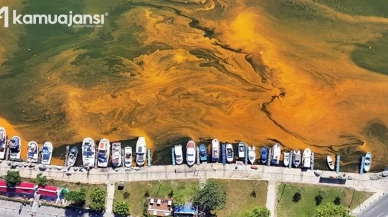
256, 71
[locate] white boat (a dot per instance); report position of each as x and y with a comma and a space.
88, 152
297, 158
330, 162
276, 151
178, 154
367, 161
103, 153
47, 153
116, 154
32, 152
252, 154
128, 156
3, 143
14, 146
215, 150
72, 158
141, 151
229, 153
286, 159
306, 160
190, 153
241, 150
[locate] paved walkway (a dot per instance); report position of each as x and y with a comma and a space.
110, 197
271, 197
202, 171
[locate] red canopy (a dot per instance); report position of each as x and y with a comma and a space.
48, 191
25, 188
3, 186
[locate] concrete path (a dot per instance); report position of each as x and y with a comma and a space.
110, 197
214, 170
271, 197
376, 205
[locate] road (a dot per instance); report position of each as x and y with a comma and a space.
12, 209
377, 209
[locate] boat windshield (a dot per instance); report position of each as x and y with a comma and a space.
203, 153
190, 155
178, 156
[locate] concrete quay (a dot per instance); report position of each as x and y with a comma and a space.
202, 171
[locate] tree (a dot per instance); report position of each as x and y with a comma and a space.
337, 201
331, 210
76, 197
121, 209
97, 199
258, 212
211, 197
318, 199
12, 178
297, 197
40, 179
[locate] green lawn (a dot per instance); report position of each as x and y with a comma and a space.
240, 198
306, 206
138, 190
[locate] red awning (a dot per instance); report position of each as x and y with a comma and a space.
48, 191
25, 188
3, 186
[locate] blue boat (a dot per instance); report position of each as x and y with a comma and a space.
203, 152
264, 155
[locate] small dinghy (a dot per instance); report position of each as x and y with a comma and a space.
241, 150
296, 158
229, 153
286, 159
32, 152
3, 143
141, 149
203, 152
306, 158
251, 154
72, 158
367, 162
103, 153
264, 155
215, 150
190, 153
47, 153
128, 156
276, 151
116, 154
330, 162
178, 154
88, 152
14, 148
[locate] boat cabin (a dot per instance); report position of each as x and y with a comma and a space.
159, 207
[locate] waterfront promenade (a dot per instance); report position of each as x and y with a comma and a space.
202, 171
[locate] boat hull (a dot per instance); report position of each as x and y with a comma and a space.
215, 150
141, 151
252, 154
203, 152
46, 157
32, 152
190, 153
264, 155
276, 150
128, 156
229, 153
330, 162
116, 154
367, 161
241, 150
286, 159
88, 153
3, 143
14, 153
103, 160
72, 158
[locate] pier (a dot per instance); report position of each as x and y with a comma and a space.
269, 157
246, 154
312, 160
291, 157
67, 154
149, 157
362, 165
338, 161
173, 156
198, 157
224, 154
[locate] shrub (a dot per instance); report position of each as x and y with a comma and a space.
297, 197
